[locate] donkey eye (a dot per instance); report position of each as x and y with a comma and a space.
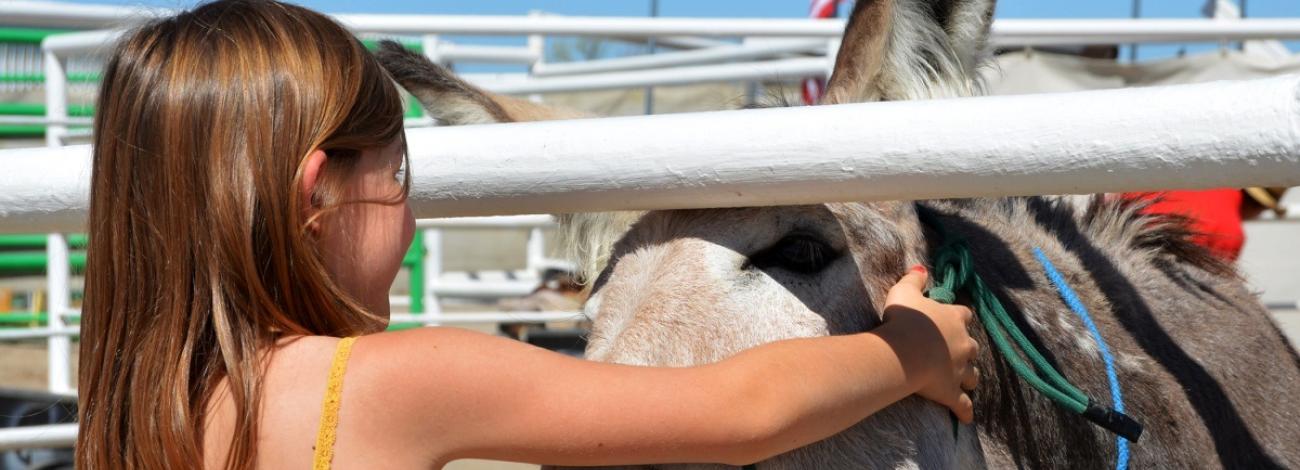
798, 253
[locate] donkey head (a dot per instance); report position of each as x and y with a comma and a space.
695, 286
691, 286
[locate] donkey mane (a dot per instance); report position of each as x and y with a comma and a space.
1163, 239
1165, 236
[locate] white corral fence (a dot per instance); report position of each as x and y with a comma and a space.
1123, 140
1180, 137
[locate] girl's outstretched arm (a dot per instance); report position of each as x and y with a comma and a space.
468, 395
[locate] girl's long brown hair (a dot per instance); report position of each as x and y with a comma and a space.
199, 256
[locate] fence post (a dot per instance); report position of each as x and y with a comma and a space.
429, 43
536, 255
536, 46
432, 270
59, 346
56, 99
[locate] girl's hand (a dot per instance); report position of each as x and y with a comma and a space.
934, 336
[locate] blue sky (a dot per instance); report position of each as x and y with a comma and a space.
776, 9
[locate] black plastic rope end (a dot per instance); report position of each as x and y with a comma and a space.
1114, 421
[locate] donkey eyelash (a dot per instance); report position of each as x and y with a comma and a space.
799, 253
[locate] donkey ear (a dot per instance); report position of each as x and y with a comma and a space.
455, 102
445, 96
862, 52
911, 49
967, 23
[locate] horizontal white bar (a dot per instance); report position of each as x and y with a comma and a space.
1025, 32
70, 15
37, 333
481, 318
676, 42
784, 69
1223, 134
48, 436
44, 188
1005, 32
586, 26
84, 42
483, 288
488, 54
677, 59
512, 221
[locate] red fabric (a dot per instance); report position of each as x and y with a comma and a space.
1215, 216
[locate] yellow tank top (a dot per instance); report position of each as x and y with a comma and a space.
329, 414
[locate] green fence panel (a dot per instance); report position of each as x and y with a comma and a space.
21, 131
85, 77
36, 109
373, 44
31, 319
37, 241
36, 261
27, 35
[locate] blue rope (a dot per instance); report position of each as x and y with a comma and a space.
1072, 300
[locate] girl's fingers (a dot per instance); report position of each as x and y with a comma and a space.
965, 410
970, 379
966, 313
915, 278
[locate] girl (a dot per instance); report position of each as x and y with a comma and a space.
248, 215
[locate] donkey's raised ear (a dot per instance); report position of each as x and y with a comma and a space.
968, 23
453, 101
911, 49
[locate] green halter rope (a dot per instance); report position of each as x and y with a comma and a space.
954, 271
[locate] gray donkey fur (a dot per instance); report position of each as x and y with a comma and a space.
1199, 360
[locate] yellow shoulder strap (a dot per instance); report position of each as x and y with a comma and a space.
329, 414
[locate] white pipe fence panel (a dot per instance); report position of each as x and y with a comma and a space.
783, 69
451, 52
1194, 136
1225, 134
68, 15
677, 59
512, 221
493, 317
38, 437
44, 189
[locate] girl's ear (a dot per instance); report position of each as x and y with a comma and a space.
310, 177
